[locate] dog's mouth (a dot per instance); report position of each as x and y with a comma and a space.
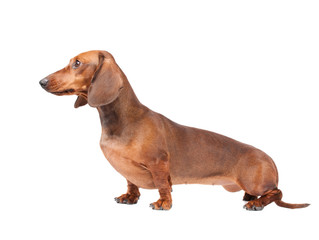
65, 92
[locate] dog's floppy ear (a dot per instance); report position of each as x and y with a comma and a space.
80, 101
106, 82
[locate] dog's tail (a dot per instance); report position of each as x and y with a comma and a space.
291, 205
287, 205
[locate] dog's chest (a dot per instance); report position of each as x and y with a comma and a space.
125, 158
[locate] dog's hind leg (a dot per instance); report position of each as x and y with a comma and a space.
248, 197
264, 200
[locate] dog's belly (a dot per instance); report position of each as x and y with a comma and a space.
216, 180
228, 183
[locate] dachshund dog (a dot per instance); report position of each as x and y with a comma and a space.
153, 152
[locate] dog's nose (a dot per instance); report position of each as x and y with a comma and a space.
44, 82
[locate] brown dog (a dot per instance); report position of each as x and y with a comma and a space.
151, 151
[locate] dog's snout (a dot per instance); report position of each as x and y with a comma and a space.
44, 82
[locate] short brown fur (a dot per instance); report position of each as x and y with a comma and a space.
153, 152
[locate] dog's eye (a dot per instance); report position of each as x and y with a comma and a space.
76, 64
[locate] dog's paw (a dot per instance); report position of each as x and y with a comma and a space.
127, 199
253, 206
161, 205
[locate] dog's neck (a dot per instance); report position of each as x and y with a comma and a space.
122, 111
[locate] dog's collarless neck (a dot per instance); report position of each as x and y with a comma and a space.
121, 112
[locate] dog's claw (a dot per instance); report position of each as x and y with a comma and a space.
153, 207
258, 208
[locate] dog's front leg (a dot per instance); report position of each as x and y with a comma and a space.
162, 181
132, 195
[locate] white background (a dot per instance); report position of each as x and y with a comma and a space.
245, 69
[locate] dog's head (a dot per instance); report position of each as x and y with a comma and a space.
93, 76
